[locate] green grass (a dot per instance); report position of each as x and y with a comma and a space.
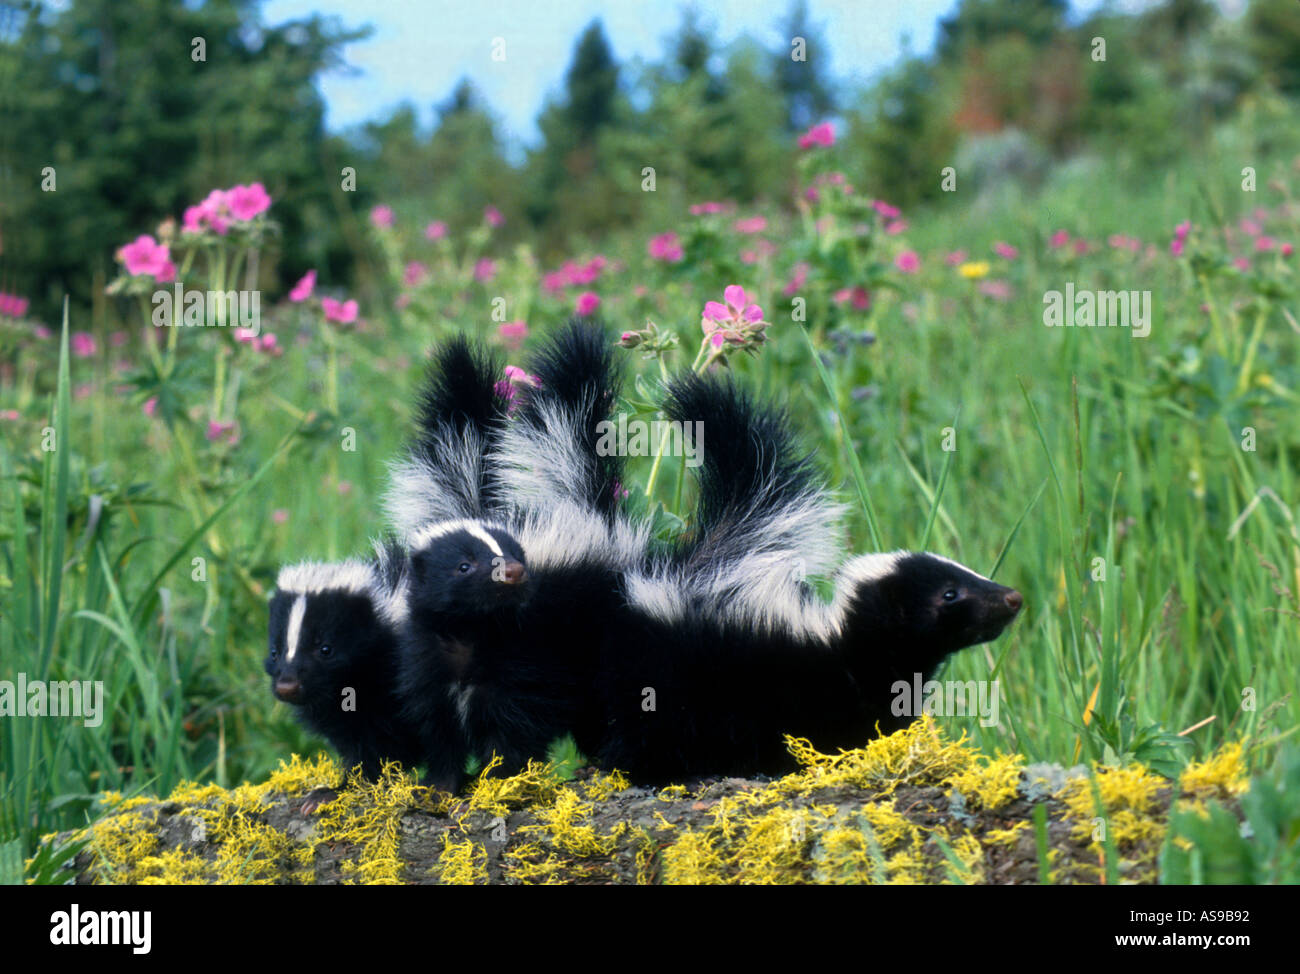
1071, 445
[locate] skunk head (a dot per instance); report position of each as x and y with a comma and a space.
331, 626
465, 568
929, 603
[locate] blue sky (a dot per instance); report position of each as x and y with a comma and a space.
419, 49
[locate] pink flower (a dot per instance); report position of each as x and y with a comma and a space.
246, 202
704, 209
145, 255
435, 230
895, 227
344, 312
84, 344
1059, 239
1005, 250
908, 262
268, 343
381, 216
886, 210
485, 270
860, 297
1251, 227
1177, 246
753, 224
279, 516
302, 290
798, 279
512, 333
1183, 229
955, 258
1287, 250
1241, 263
245, 336
665, 247
11, 415
1265, 243
413, 273
738, 322
217, 430
588, 302
1000, 290
823, 134
12, 305
515, 377
493, 216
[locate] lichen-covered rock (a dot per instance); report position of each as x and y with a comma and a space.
913, 807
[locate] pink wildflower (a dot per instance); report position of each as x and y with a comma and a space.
344, 312
246, 202
302, 290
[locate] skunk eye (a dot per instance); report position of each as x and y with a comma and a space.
464, 567
324, 651
950, 595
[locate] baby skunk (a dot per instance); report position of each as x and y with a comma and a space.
506, 651
689, 691
727, 648
333, 654
334, 628
495, 656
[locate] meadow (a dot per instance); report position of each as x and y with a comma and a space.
1139, 491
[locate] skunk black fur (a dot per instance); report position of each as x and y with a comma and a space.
332, 655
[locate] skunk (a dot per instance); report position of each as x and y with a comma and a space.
506, 651
332, 654
335, 628
501, 651
688, 690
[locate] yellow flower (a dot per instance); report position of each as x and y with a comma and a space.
975, 270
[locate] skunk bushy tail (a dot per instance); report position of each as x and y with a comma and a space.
764, 519
563, 488
550, 452
444, 474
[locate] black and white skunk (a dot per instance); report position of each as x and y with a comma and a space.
333, 654
690, 691
503, 652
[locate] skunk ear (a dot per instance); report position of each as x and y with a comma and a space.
419, 566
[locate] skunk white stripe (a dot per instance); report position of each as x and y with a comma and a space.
431, 532
296, 612
312, 577
957, 564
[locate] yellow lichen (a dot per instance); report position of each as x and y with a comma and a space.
990, 783
1008, 836
1221, 775
463, 862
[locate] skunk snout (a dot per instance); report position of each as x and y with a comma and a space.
512, 573
287, 689
1014, 600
